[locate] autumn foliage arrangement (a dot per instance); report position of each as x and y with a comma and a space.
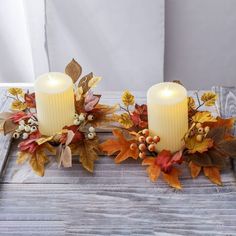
207, 144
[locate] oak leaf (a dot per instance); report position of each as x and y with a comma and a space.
194, 146
209, 98
203, 116
213, 173
127, 98
74, 70
120, 145
194, 169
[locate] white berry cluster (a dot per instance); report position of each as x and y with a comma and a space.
25, 128
92, 133
80, 118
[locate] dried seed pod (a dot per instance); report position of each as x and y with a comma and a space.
198, 125
90, 117
76, 122
16, 135
27, 128
25, 135
91, 135
91, 129
200, 130
207, 129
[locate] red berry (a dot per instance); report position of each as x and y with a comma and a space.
141, 139
142, 155
145, 132
142, 147
156, 139
149, 139
151, 147
133, 146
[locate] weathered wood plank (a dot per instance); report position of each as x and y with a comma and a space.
116, 200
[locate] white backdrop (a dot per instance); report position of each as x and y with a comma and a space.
122, 41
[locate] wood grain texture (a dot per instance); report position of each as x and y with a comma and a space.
115, 200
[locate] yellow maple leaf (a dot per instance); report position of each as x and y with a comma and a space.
17, 105
195, 146
15, 91
209, 98
124, 120
203, 116
213, 173
127, 98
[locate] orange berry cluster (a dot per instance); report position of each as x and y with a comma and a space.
146, 143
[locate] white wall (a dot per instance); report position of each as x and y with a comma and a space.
200, 42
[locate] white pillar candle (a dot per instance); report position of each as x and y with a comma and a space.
168, 114
54, 102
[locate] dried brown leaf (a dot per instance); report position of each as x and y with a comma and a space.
74, 70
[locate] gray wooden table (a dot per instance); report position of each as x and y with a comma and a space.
115, 200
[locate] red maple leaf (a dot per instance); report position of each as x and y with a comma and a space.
139, 116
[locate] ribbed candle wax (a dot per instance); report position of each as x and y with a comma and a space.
168, 114
54, 101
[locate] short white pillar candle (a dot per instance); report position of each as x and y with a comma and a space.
168, 114
54, 102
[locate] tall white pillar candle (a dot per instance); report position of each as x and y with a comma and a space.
54, 102
168, 114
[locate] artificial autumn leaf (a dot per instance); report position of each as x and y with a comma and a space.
103, 114
88, 153
127, 98
121, 145
84, 82
43, 139
213, 157
17, 105
172, 178
166, 161
220, 122
194, 146
18, 116
22, 157
153, 169
194, 169
139, 116
191, 103
91, 101
217, 134
209, 98
78, 136
228, 147
74, 70
30, 144
9, 126
203, 116
125, 121
94, 81
38, 162
78, 93
15, 91
213, 174
30, 100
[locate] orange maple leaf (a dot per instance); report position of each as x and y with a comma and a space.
153, 169
194, 169
213, 173
121, 145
